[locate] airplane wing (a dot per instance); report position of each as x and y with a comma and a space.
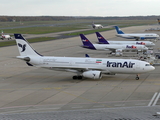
136, 37
80, 69
115, 50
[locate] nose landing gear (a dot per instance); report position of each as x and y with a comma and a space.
137, 77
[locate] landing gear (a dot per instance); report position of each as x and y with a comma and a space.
77, 77
137, 77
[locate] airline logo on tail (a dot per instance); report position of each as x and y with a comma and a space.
85, 40
22, 46
100, 38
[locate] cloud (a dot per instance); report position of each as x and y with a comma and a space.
80, 7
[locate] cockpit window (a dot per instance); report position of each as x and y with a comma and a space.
147, 65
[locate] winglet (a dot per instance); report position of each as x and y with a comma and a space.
86, 42
119, 31
86, 55
101, 39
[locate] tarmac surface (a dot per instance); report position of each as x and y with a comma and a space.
28, 91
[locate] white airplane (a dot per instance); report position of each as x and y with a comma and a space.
136, 36
96, 25
102, 40
116, 48
83, 67
3, 36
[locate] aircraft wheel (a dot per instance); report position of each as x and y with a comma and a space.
74, 77
80, 77
137, 78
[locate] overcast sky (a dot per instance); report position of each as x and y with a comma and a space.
79, 7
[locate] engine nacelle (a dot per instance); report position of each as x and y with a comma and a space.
92, 74
118, 54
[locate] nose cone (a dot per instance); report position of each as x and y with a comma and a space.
153, 44
151, 68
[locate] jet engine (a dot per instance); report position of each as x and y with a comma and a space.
92, 74
119, 52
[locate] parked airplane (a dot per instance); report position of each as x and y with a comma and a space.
102, 40
136, 36
116, 48
158, 21
84, 67
96, 25
3, 36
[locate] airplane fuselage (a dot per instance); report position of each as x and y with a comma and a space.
146, 43
97, 26
139, 36
105, 65
120, 47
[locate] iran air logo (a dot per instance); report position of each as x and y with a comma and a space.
22, 46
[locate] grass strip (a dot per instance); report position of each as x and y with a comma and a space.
41, 39
88, 31
40, 30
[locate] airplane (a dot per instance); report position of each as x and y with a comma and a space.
3, 36
84, 67
158, 21
136, 36
116, 48
96, 25
102, 40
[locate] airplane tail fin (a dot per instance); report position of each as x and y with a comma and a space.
101, 39
86, 42
23, 46
93, 25
2, 33
119, 31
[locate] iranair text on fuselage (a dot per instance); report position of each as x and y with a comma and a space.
120, 64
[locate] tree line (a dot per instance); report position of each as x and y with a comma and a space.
61, 18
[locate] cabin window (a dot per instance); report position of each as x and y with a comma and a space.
147, 65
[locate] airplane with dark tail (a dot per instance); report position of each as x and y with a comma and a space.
82, 66
114, 48
102, 40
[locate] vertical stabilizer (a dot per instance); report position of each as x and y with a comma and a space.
86, 42
23, 46
119, 31
101, 39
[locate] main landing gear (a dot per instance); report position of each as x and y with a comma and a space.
137, 77
77, 77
